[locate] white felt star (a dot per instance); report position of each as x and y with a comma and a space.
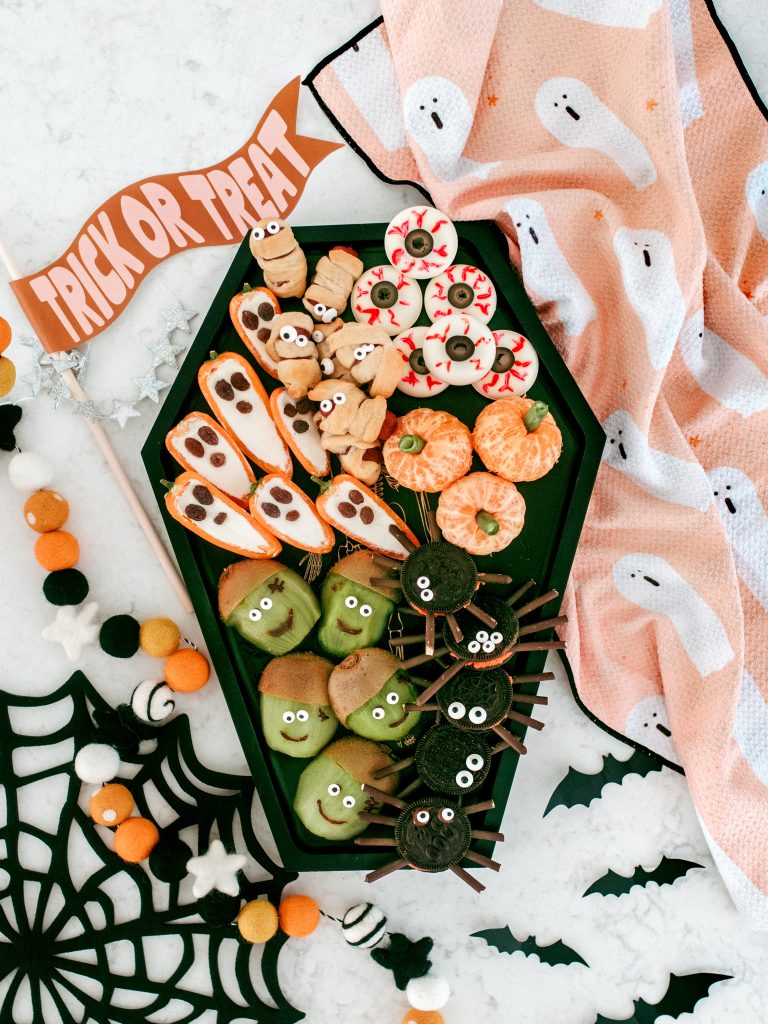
74, 628
165, 352
122, 412
177, 318
149, 386
216, 869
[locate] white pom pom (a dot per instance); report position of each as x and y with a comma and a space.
428, 993
364, 925
96, 763
152, 701
29, 472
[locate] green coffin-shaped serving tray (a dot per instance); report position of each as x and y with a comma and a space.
544, 551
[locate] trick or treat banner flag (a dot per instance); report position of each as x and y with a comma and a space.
83, 291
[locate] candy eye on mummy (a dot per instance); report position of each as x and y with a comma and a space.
424, 584
326, 365
324, 313
259, 234
317, 337
485, 642
264, 605
273, 227
288, 333
362, 351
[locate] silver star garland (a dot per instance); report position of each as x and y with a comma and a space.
48, 367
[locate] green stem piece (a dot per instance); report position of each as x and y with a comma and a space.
252, 488
213, 354
535, 415
247, 287
412, 444
321, 483
487, 523
168, 484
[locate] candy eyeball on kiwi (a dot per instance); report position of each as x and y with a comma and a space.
514, 369
369, 692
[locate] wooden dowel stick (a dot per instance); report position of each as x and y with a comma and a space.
374, 876
493, 837
537, 602
533, 677
484, 805
376, 819
535, 627
486, 862
374, 841
520, 591
466, 877
534, 723
110, 457
382, 797
541, 645
509, 740
440, 682
484, 617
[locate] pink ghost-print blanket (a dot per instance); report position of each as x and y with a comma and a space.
625, 156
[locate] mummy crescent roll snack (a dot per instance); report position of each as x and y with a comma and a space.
280, 256
334, 277
291, 347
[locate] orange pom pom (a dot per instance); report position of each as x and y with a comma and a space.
187, 670
5, 334
423, 1017
7, 375
46, 511
57, 550
159, 637
135, 839
111, 804
299, 916
257, 921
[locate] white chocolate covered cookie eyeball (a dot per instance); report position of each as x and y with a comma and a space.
416, 381
386, 298
459, 349
462, 288
514, 370
421, 242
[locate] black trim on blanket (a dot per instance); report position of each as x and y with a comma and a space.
309, 81
736, 57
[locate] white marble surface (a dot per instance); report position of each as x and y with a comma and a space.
93, 97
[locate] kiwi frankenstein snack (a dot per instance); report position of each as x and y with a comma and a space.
354, 610
368, 691
296, 713
330, 797
268, 604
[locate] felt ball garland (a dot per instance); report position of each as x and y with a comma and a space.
119, 636
7, 368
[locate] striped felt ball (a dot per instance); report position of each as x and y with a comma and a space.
364, 925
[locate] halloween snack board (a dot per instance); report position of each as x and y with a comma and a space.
554, 509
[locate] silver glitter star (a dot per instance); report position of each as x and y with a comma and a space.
149, 386
58, 391
61, 361
87, 409
28, 341
38, 378
177, 318
122, 412
165, 352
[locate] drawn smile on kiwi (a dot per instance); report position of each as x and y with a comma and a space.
394, 725
284, 627
295, 739
352, 630
332, 821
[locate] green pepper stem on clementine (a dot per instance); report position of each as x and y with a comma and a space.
535, 415
411, 444
487, 523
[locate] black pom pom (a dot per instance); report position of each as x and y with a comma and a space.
218, 909
67, 586
168, 860
119, 636
9, 418
406, 959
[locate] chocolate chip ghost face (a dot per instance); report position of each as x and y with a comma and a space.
383, 717
298, 729
277, 614
353, 616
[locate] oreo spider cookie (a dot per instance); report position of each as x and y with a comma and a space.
421, 242
432, 834
384, 297
462, 288
450, 761
416, 381
459, 349
438, 577
514, 370
484, 645
475, 700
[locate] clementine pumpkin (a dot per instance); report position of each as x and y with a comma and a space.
481, 513
428, 450
517, 438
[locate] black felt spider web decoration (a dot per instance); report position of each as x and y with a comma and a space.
85, 937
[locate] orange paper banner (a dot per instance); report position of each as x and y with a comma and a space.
80, 294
